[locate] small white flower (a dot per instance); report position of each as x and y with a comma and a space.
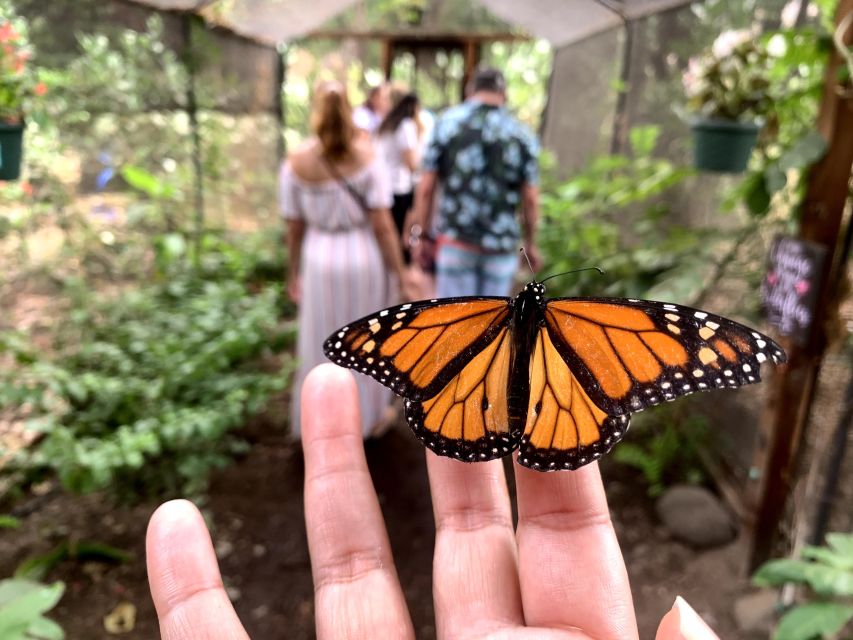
726, 42
777, 46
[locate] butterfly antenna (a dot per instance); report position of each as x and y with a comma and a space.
565, 273
524, 253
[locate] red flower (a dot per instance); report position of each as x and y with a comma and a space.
27, 188
40, 89
7, 32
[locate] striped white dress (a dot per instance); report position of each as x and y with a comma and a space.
343, 275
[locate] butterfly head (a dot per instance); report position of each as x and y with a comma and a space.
537, 289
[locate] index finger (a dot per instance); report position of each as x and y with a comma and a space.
356, 590
571, 569
185, 583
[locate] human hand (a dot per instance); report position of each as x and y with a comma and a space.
559, 574
294, 289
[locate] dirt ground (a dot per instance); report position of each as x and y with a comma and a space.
254, 509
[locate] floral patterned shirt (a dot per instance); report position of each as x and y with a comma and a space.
483, 156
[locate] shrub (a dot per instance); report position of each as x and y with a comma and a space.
144, 389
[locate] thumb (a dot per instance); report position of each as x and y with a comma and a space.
184, 577
683, 623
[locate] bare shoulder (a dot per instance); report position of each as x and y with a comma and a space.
304, 160
364, 150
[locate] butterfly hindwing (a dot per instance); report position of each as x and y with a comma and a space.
468, 418
632, 354
415, 349
565, 429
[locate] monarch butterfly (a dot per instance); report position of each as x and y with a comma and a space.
556, 378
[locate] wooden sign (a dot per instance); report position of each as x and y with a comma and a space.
790, 287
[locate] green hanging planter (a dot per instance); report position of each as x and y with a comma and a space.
11, 150
723, 146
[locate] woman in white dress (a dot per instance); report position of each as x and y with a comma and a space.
344, 253
398, 139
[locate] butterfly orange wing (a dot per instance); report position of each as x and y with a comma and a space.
468, 418
565, 429
631, 354
417, 348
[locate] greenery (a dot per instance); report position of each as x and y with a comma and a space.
23, 604
729, 80
828, 573
789, 143
665, 447
142, 389
19, 83
37, 567
611, 215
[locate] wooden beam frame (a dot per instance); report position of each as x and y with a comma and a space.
792, 386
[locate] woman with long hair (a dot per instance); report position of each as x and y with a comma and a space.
344, 256
398, 139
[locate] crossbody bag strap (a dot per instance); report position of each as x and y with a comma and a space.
354, 194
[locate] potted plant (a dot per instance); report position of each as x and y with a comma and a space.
17, 85
727, 88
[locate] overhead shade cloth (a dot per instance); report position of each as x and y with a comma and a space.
561, 22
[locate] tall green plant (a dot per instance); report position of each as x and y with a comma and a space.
828, 574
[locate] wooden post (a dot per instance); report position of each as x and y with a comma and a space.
471, 53
792, 386
387, 57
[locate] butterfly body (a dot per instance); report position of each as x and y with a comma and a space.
555, 378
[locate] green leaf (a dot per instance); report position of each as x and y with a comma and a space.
756, 195
825, 580
842, 543
777, 572
9, 522
813, 620
804, 152
829, 557
643, 139
23, 601
775, 179
45, 629
147, 182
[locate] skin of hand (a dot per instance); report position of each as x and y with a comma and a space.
558, 574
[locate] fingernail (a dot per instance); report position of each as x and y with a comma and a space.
683, 623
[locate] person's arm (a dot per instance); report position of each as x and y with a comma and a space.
389, 244
410, 158
295, 235
420, 218
529, 222
407, 139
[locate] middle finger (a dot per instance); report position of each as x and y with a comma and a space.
475, 568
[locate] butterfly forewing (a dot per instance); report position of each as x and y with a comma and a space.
632, 354
468, 418
417, 348
565, 429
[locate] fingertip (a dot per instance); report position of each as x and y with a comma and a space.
327, 375
682, 622
329, 403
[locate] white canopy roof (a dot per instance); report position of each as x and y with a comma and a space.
561, 22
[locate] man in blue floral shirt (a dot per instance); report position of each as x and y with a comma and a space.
486, 164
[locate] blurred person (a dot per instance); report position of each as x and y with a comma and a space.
398, 140
369, 115
344, 253
485, 163
558, 574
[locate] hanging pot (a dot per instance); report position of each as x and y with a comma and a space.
11, 149
723, 145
